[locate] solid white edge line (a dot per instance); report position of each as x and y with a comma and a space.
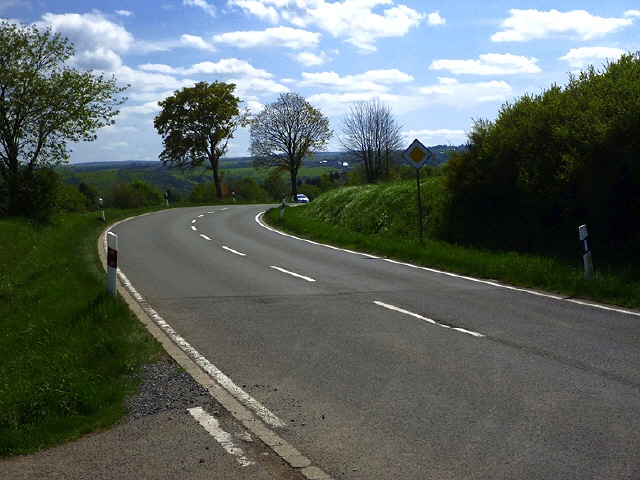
225, 382
234, 251
450, 274
428, 320
308, 279
225, 439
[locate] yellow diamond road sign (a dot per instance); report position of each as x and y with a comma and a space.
417, 154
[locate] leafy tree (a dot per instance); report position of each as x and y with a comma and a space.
372, 134
196, 124
275, 185
285, 132
551, 162
43, 105
136, 194
247, 189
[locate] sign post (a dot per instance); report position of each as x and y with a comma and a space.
417, 155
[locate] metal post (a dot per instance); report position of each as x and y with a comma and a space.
586, 253
419, 203
282, 206
112, 263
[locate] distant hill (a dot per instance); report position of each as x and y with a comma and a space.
103, 175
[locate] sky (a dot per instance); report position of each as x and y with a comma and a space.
438, 64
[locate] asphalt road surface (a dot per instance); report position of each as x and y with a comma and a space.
379, 370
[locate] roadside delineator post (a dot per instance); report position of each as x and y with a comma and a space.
282, 206
586, 252
101, 204
112, 263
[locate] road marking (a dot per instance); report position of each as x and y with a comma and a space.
205, 237
308, 279
428, 320
194, 228
193, 221
455, 275
225, 439
234, 251
225, 382
201, 215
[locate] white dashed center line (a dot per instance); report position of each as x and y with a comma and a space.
233, 251
429, 320
308, 279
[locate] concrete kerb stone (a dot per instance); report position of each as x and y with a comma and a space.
283, 449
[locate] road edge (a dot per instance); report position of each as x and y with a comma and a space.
237, 410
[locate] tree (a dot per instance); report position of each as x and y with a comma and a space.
551, 162
196, 124
43, 105
372, 134
285, 132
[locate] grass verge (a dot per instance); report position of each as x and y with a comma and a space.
552, 275
68, 351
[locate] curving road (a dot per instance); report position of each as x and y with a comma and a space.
380, 370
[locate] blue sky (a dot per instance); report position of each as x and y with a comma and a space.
438, 64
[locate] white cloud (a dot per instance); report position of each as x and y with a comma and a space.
96, 40
259, 9
585, 56
434, 19
489, 64
333, 104
370, 81
354, 20
441, 136
632, 13
226, 66
208, 9
450, 92
532, 24
310, 59
293, 38
124, 13
195, 41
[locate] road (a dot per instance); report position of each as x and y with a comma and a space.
375, 369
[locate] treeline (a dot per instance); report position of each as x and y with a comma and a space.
552, 162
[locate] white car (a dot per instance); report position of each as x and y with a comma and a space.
301, 198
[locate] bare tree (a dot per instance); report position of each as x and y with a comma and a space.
285, 132
372, 134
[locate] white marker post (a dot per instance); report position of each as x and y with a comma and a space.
112, 263
586, 253
282, 207
101, 203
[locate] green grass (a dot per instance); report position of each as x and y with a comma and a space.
67, 349
382, 220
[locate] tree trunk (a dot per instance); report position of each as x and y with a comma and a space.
216, 176
294, 184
